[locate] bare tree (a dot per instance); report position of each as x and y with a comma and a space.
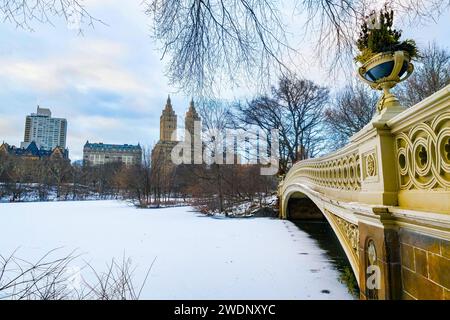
295, 107
431, 74
116, 283
52, 278
29, 178
209, 42
214, 40
59, 171
216, 119
134, 182
45, 279
352, 108
162, 178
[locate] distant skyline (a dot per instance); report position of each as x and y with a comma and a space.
108, 83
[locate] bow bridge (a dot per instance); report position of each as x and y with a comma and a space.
386, 195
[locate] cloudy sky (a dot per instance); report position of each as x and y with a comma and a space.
109, 83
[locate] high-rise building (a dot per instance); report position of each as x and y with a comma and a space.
47, 132
191, 117
168, 125
168, 122
195, 135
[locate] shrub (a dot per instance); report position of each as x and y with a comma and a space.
383, 38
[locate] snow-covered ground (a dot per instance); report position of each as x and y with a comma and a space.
197, 257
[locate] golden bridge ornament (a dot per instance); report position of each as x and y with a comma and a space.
383, 72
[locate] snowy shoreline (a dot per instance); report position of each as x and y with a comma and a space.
197, 257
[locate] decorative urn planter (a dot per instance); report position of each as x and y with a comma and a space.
383, 71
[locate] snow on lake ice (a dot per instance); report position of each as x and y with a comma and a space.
197, 257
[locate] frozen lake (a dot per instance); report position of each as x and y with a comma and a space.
197, 257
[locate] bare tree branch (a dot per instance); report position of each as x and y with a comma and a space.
215, 41
23, 13
211, 44
352, 108
432, 73
295, 107
49, 279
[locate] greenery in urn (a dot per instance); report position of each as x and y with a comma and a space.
378, 35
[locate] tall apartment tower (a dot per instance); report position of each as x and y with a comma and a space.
47, 132
191, 117
168, 122
195, 136
161, 153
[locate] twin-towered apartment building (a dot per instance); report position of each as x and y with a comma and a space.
161, 153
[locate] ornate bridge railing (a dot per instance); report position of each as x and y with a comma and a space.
402, 161
422, 151
387, 197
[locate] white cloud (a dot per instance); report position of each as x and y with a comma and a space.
109, 83
106, 130
92, 65
11, 129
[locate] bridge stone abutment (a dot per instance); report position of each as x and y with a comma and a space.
387, 197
